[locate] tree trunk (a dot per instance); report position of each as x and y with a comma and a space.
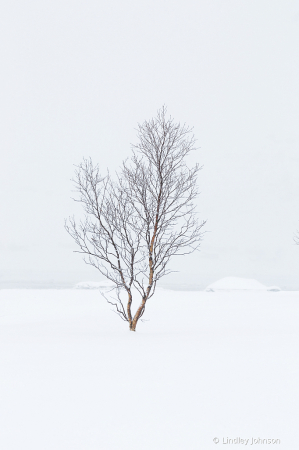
133, 323
137, 315
129, 308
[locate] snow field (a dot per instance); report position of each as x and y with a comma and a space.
206, 365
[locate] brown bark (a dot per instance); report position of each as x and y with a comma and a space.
137, 315
129, 309
133, 323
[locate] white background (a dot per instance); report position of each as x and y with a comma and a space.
77, 76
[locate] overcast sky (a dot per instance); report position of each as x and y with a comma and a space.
77, 76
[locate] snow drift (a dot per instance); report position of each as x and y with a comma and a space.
240, 284
106, 284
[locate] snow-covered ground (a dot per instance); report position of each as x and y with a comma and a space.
206, 365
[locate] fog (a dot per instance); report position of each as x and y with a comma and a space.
77, 77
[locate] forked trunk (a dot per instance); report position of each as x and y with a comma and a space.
133, 323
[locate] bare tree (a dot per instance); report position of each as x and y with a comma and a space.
134, 224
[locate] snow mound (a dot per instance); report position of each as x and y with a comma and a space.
106, 284
239, 284
273, 289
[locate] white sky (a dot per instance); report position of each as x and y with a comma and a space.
77, 76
